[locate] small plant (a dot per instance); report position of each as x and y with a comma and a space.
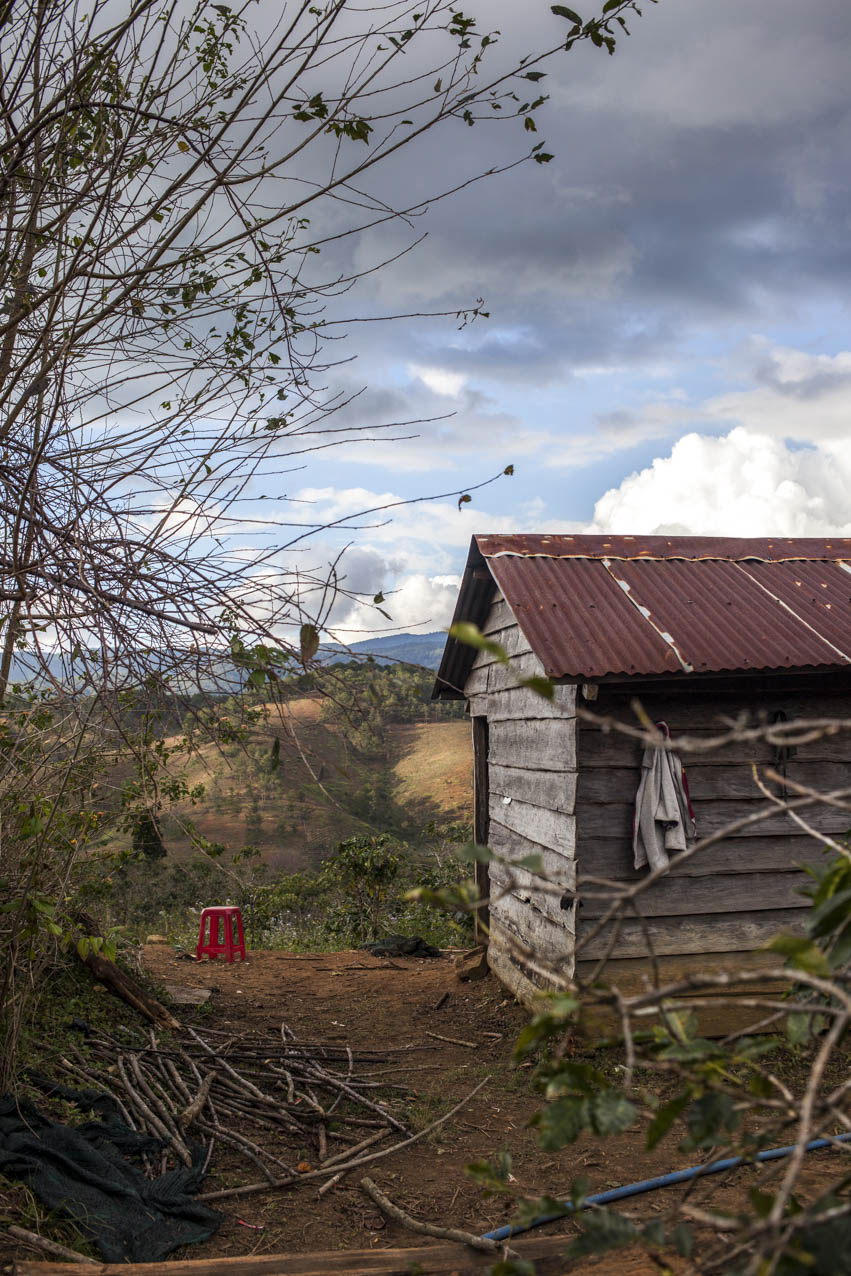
365, 868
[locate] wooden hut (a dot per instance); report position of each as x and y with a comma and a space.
701, 631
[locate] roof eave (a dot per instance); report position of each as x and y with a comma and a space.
474, 597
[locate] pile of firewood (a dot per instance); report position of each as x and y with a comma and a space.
312, 1109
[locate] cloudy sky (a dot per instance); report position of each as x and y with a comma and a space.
668, 347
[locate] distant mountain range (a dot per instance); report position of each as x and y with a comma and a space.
417, 649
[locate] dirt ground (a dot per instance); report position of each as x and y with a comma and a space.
355, 999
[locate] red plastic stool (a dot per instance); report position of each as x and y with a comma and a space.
228, 919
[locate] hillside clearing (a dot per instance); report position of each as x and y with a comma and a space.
434, 767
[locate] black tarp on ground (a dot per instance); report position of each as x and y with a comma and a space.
82, 1173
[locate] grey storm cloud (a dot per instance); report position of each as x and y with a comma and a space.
701, 176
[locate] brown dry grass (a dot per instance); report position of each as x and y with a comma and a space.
305, 805
435, 767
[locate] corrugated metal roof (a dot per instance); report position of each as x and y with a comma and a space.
601, 606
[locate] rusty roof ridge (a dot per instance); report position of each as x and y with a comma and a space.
792, 611
644, 612
668, 558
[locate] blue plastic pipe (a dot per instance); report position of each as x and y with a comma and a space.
661, 1180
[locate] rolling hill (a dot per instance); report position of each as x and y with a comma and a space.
296, 802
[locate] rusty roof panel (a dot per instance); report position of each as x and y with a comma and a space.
609, 606
718, 618
818, 593
575, 617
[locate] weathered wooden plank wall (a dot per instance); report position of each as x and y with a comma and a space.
737, 894
531, 768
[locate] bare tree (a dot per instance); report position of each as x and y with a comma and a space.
173, 176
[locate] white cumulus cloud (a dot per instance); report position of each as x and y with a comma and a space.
743, 484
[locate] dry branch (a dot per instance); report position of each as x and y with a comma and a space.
193, 1110
119, 982
49, 1247
454, 1041
425, 1229
349, 1165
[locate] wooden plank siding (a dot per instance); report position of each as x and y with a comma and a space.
710, 933
717, 1018
693, 896
736, 895
552, 790
611, 857
531, 778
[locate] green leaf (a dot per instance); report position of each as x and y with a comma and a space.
832, 914
492, 1176
710, 1118
562, 1122
534, 75
32, 824
562, 11
798, 1028
532, 863
577, 1076
760, 1086
579, 1189
612, 1113
473, 853
469, 634
601, 1231
801, 954
653, 1233
840, 949
509, 470
543, 157
762, 1202
664, 1118
683, 1239
541, 686
538, 1207
308, 642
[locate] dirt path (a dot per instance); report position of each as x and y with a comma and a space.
352, 998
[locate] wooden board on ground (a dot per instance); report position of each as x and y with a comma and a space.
431, 1260
184, 995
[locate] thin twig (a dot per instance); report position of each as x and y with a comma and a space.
426, 1229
